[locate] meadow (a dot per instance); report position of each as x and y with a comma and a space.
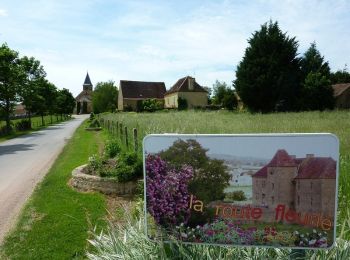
224, 122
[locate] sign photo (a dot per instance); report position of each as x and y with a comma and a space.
243, 190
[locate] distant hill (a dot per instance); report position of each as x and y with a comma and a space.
239, 160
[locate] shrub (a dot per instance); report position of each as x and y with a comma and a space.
236, 196
149, 105
167, 192
23, 125
112, 148
182, 103
92, 116
95, 123
129, 167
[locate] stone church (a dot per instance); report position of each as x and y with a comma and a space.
306, 185
84, 99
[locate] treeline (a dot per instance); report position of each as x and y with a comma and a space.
273, 77
23, 80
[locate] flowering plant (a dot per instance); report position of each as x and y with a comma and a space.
167, 192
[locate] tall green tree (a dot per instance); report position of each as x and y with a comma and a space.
105, 97
268, 77
11, 79
340, 76
317, 92
34, 75
65, 102
224, 96
313, 61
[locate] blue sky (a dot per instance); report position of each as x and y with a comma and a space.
162, 40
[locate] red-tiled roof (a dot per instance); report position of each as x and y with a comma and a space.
282, 158
338, 89
142, 89
308, 168
182, 86
262, 173
317, 168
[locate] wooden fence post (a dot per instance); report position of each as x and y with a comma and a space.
136, 145
121, 131
126, 137
117, 128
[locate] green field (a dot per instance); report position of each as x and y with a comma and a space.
223, 122
36, 125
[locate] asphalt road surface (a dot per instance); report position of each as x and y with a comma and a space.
24, 161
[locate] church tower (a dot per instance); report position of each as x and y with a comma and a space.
87, 83
84, 99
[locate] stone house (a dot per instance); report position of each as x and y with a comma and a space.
342, 95
130, 92
186, 88
306, 185
84, 99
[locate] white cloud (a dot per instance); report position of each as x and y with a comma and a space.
3, 12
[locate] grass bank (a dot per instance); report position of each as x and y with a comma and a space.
55, 222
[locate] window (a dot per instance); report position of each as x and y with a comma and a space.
298, 200
263, 184
272, 199
298, 185
311, 201
311, 185
273, 185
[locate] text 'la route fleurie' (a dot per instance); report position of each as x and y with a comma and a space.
282, 213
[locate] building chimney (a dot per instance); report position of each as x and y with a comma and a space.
191, 83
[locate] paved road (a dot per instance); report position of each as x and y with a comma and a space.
24, 161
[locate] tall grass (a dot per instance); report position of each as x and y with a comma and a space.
129, 241
223, 122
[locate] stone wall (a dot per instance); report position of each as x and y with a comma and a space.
86, 182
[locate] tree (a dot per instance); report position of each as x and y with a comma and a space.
312, 61
105, 97
340, 76
34, 74
224, 96
211, 176
209, 91
65, 102
11, 79
317, 93
268, 77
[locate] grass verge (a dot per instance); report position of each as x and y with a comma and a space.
56, 221
36, 125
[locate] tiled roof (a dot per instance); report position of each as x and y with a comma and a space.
338, 89
282, 158
317, 168
142, 89
182, 86
308, 168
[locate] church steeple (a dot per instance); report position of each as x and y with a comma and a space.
87, 83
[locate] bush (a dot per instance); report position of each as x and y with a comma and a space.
95, 123
182, 103
129, 167
149, 105
112, 148
23, 125
92, 116
236, 196
167, 192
